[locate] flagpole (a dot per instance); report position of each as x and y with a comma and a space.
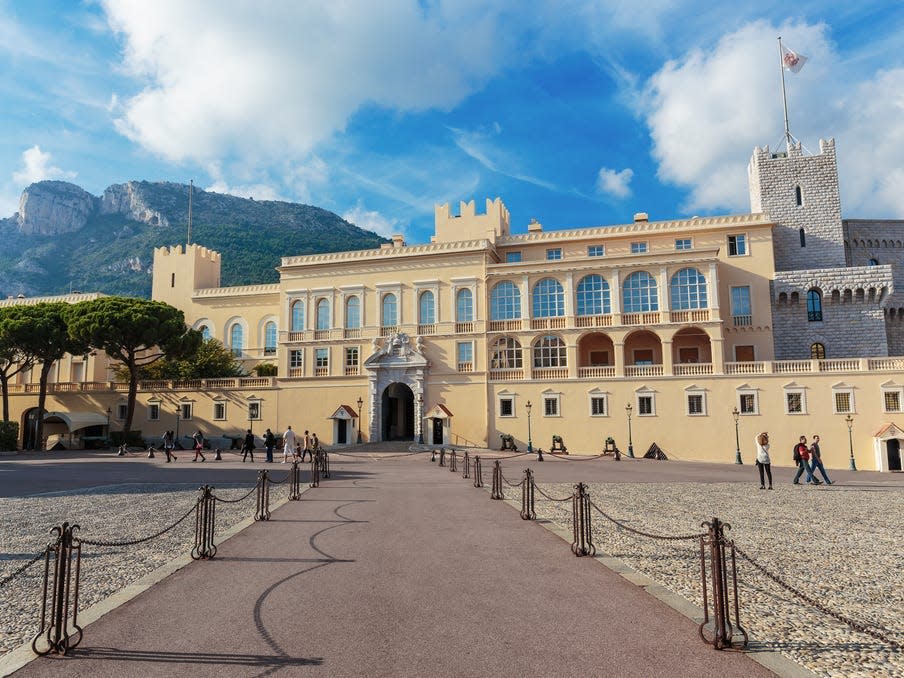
781, 67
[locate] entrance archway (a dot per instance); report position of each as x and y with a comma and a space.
398, 412
30, 429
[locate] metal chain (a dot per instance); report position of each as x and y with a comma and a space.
567, 458
6, 580
857, 626
236, 501
511, 484
279, 482
537, 487
132, 542
680, 537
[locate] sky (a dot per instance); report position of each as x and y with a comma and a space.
576, 113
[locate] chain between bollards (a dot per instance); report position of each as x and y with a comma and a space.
262, 512
466, 462
478, 472
582, 544
453, 462
496, 492
527, 496
723, 601
62, 586
205, 524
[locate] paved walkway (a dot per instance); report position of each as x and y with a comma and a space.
394, 568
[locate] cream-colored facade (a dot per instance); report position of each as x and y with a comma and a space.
450, 340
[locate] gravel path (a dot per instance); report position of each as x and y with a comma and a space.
112, 513
839, 545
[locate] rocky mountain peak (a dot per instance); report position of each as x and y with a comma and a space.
54, 207
130, 201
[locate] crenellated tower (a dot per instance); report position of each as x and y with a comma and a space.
180, 270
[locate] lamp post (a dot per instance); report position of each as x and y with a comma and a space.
849, 420
109, 412
178, 419
530, 444
737, 439
628, 411
420, 419
360, 417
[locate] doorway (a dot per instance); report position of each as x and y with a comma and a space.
893, 447
437, 431
398, 412
30, 429
341, 431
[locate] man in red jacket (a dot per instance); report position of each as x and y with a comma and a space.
804, 452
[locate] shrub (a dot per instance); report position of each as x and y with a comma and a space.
9, 435
133, 439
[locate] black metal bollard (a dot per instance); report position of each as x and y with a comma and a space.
442, 456
466, 471
217, 455
151, 452
205, 524
262, 512
315, 472
60, 595
582, 544
723, 602
478, 472
433, 456
326, 464
453, 461
496, 492
294, 482
527, 496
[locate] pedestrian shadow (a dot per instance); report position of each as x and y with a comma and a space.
210, 658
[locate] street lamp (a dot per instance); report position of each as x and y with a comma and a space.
420, 418
849, 420
109, 412
360, 418
530, 444
178, 419
737, 439
628, 410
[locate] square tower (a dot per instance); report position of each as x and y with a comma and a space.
800, 194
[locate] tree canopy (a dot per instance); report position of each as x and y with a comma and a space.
211, 361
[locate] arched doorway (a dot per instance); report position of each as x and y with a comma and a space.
398, 412
30, 429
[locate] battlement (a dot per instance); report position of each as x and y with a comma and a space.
180, 270
199, 251
468, 225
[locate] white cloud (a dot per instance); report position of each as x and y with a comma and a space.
707, 110
616, 184
36, 166
372, 221
256, 191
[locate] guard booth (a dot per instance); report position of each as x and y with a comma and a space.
439, 425
887, 447
345, 425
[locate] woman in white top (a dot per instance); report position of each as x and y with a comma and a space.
762, 459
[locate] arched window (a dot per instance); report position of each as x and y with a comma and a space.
640, 293
814, 305
505, 354
593, 296
798, 196
464, 306
548, 299
688, 290
270, 338
505, 301
549, 351
297, 316
817, 351
352, 313
236, 339
803, 238
426, 309
323, 314
205, 332
390, 315
873, 262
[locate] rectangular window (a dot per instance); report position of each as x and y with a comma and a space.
219, 411
740, 306
638, 247
794, 402
351, 356
154, 411
464, 352
645, 406
506, 407
683, 244
254, 411
597, 406
695, 404
551, 406
596, 251
296, 358
844, 402
513, 257
747, 403
186, 410
892, 400
737, 245
643, 357
744, 354
321, 358
121, 411
599, 358
554, 254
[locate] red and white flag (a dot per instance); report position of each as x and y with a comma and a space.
792, 61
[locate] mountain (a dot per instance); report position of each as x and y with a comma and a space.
63, 238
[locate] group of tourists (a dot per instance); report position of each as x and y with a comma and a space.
807, 458
298, 447
295, 446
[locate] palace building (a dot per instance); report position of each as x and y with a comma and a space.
686, 333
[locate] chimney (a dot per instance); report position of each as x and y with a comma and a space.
398, 240
641, 217
534, 226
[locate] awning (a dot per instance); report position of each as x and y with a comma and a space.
76, 420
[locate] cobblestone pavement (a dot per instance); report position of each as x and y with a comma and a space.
841, 545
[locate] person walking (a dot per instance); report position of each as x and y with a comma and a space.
199, 446
816, 460
288, 444
169, 445
802, 457
269, 444
763, 463
248, 446
306, 448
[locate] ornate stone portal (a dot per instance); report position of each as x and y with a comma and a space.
395, 361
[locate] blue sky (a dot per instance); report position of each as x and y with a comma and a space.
576, 113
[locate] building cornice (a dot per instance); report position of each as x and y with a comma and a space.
407, 251
238, 291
